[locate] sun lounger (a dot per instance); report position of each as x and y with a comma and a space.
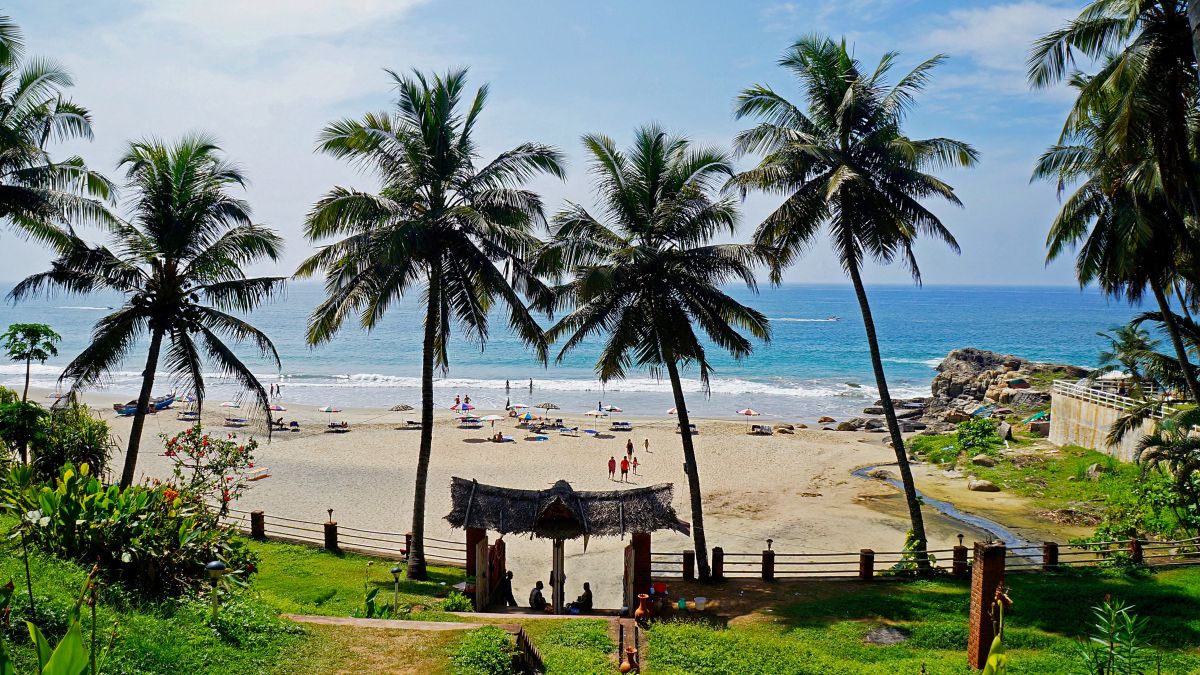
188, 416
412, 424
761, 430
471, 425
568, 431
236, 422
621, 426
692, 427
336, 428
257, 473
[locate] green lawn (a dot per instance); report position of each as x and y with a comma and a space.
825, 634
574, 646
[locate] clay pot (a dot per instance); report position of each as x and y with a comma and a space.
643, 610
630, 664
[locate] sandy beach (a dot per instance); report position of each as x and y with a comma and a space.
796, 489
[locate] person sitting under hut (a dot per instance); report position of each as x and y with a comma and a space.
584, 602
536, 599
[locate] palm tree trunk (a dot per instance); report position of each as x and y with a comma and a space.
143, 406
416, 551
1176, 341
692, 471
28, 366
920, 543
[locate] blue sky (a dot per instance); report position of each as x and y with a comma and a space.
264, 76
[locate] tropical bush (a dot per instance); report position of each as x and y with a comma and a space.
457, 602
208, 467
71, 435
486, 651
1116, 644
152, 537
72, 655
977, 435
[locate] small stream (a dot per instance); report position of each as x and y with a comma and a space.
1003, 534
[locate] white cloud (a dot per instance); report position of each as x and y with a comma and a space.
995, 39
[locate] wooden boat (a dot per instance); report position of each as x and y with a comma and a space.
156, 404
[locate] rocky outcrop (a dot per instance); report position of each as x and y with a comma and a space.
979, 485
968, 378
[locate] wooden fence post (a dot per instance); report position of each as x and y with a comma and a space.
331, 538
959, 567
689, 564
407, 545
866, 564
1049, 556
768, 565
1135, 551
718, 563
258, 525
987, 576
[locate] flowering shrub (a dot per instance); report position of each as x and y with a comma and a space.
212, 468
156, 538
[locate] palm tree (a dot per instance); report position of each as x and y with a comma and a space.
37, 194
845, 164
178, 261
30, 342
1175, 449
1129, 347
645, 274
1128, 237
463, 230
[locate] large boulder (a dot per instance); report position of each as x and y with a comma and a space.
979, 485
826, 420
983, 460
1005, 431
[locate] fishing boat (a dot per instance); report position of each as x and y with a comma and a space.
156, 404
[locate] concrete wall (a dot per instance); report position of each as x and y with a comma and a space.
1074, 421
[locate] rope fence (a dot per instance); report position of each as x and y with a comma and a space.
336, 537
866, 563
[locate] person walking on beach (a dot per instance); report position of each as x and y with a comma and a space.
624, 470
612, 468
457, 400
467, 399
629, 448
635, 465
531, 386
646, 445
507, 387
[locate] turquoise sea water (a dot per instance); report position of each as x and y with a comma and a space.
812, 366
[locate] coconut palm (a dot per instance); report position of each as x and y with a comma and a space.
30, 342
1128, 351
643, 273
843, 163
1128, 237
1175, 449
178, 260
442, 227
38, 195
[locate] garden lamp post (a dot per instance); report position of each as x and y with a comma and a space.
215, 569
395, 589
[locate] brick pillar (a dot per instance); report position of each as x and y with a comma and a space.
718, 564
1049, 556
641, 561
474, 536
768, 565
987, 576
959, 568
689, 565
1135, 551
258, 525
331, 539
866, 564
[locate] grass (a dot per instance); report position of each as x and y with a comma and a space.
1058, 482
306, 580
825, 632
342, 649
575, 646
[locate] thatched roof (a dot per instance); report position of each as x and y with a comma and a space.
561, 512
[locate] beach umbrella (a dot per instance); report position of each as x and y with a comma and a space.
526, 417
231, 404
491, 418
329, 409
462, 407
275, 407
518, 406
674, 411
749, 412
547, 406
403, 407
612, 408
596, 413
188, 398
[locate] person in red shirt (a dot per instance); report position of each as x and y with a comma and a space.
612, 468
624, 470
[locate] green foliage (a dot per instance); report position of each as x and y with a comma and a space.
71, 435
20, 425
30, 342
457, 602
1115, 645
154, 538
938, 449
911, 553
485, 651
977, 435
71, 656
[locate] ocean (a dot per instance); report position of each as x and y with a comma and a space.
817, 362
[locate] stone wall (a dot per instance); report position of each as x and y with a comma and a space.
1074, 421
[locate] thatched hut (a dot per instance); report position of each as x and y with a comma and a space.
561, 512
